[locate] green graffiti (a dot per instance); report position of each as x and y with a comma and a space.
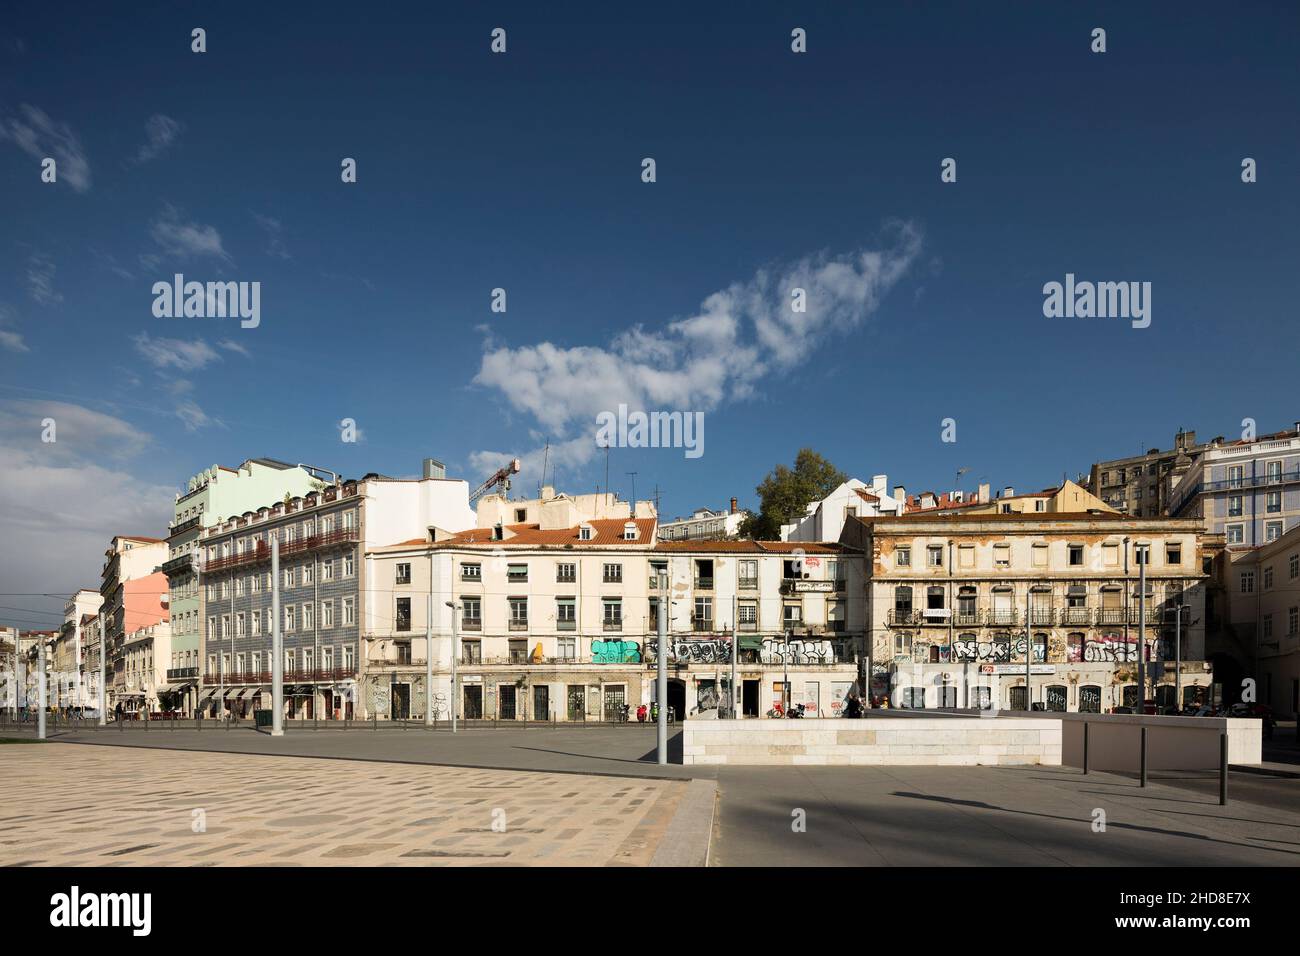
615, 652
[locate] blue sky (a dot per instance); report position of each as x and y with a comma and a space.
522, 171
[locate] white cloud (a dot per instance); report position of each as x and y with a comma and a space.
187, 356
39, 136
160, 132
63, 501
40, 281
740, 336
231, 345
194, 418
12, 341
185, 239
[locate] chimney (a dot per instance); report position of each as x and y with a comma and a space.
733, 504
982, 495
900, 494
1008, 491
433, 468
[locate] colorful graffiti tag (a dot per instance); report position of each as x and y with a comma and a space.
615, 652
1002, 651
777, 650
713, 651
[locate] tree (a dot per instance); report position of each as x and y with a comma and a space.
784, 495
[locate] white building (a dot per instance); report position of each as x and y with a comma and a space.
146, 655
824, 520
704, 525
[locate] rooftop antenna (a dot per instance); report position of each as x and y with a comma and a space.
607, 471
545, 456
633, 474
960, 472
656, 499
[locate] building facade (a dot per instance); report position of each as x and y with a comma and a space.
128, 558
824, 520
322, 537
1247, 491
704, 525
1139, 485
211, 495
954, 601
1263, 597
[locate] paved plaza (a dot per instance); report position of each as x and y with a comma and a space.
66, 805
595, 796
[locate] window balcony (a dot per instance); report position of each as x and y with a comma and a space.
518, 625
612, 626
563, 625
181, 673
262, 553
1045, 616
1076, 615
968, 618
1112, 615
901, 617
703, 584
702, 624
1003, 618
471, 624
748, 584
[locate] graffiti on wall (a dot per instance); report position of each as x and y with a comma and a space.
615, 652
713, 651
994, 652
777, 650
1107, 649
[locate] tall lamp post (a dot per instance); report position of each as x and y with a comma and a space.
661, 668
455, 653
1178, 610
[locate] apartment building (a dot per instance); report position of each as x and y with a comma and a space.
1065, 497
128, 558
146, 653
704, 525
1263, 596
954, 602
560, 621
824, 519
323, 536
1247, 491
73, 683
1139, 485
211, 495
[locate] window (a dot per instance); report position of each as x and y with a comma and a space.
471, 572
239, 586
1247, 582
327, 569
613, 574
903, 557
349, 611
902, 602
326, 614
471, 613
349, 566
1002, 556
566, 648
518, 612
703, 614
629, 531
239, 624
1268, 625
1234, 506
349, 657
308, 617
934, 599
1173, 554
327, 657
403, 573
307, 570
747, 613
1236, 533
1268, 578
225, 625
286, 578
212, 663
585, 533
288, 661
1273, 472
225, 588
471, 652
1234, 476
1040, 555
516, 573
349, 520
1293, 621
1272, 530
1110, 554
402, 622
309, 658
934, 555
613, 614
748, 573
521, 515
256, 622
1075, 553
566, 573
288, 617
902, 644
791, 614
566, 614
1295, 565
257, 662
1273, 502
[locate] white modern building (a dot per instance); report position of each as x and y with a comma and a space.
704, 525
824, 520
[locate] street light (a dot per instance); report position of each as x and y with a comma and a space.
455, 652
1178, 653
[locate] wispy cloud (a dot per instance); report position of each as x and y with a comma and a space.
194, 418
231, 345
739, 337
274, 230
12, 341
185, 240
39, 136
160, 133
181, 354
40, 280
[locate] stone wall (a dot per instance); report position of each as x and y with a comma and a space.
874, 741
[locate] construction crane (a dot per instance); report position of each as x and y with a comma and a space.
501, 477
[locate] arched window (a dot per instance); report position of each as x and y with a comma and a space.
1056, 697
1090, 699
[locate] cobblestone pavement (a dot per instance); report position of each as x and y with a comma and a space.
126, 806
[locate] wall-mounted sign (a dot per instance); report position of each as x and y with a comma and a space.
941, 612
1014, 669
820, 587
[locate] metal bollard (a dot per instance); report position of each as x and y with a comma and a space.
1085, 746
1223, 770
1144, 757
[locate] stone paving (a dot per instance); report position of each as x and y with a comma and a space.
66, 805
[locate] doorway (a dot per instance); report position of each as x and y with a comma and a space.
749, 698
1018, 697
541, 702
677, 697
506, 694
473, 701
577, 701
400, 702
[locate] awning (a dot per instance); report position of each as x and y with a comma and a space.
207, 694
231, 693
248, 693
751, 642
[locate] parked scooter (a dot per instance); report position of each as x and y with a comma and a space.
795, 712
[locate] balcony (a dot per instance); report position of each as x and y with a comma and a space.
1112, 615
1076, 615
966, 618
702, 624
1042, 616
1000, 617
748, 584
471, 624
187, 525
704, 584
518, 625
182, 673
262, 553
903, 617
612, 626
566, 625
296, 676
